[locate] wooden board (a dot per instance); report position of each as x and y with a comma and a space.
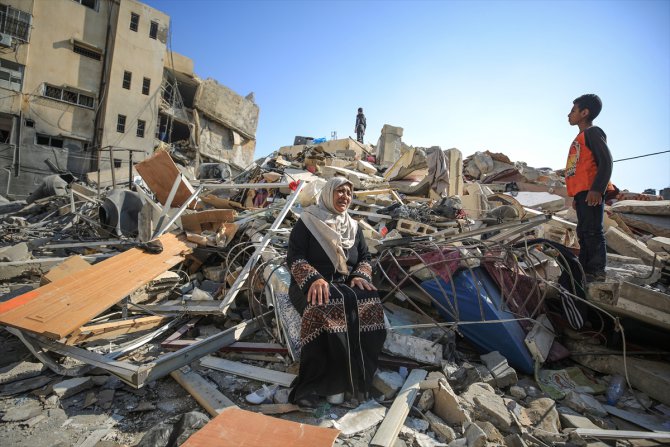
160, 172
63, 306
235, 427
249, 371
387, 433
71, 265
206, 394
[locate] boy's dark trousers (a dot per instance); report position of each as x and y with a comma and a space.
592, 246
359, 134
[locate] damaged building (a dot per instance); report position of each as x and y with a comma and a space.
89, 88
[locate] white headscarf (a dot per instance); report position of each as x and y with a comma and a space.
334, 231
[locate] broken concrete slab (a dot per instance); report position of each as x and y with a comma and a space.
659, 244
24, 385
387, 382
503, 374
361, 418
447, 405
70, 387
474, 435
20, 371
14, 253
22, 413
626, 245
443, 431
426, 401
492, 433
414, 348
544, 415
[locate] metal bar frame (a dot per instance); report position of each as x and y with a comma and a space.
139, 375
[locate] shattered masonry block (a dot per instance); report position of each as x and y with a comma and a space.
388, 383
504, 374
426, 401
406, 226
441, 429
474, 435
413, 348
70, 387
447, 405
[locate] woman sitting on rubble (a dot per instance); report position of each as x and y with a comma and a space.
342, 329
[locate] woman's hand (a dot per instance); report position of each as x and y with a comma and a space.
319, 292
362, 284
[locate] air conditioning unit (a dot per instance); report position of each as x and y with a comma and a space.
5, 40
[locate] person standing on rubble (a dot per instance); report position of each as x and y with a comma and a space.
361, 124
343, 329
587, 178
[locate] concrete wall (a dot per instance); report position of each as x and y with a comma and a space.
179, 63
218, 143
49, 58
227, 107
136, 52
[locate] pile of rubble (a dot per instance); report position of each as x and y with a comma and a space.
147, 304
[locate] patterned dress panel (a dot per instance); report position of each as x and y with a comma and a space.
322, 318
363, 269
303, 272
370, 314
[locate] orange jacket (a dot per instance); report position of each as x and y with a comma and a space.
581, 167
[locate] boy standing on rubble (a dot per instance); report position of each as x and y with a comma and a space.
360, 125
587, 176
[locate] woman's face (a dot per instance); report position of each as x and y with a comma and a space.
342, 198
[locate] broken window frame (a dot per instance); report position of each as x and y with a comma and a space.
141, 126
146, 86
87, 52
153, 30
127, 79
121, 123
15, 22
11, 73
48, 140
134, 21
68, 95
92, 4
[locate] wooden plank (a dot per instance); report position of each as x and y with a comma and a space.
160, 172
206, 394
237, 427
390, 426
72, 265
621, 434
59, 308
248, 371
115, 328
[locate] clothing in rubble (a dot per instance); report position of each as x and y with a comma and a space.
340, 340
360, 126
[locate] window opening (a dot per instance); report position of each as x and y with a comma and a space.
86, 52
134, 21
153, 30
127, 78
146, 86
141, 124
68, 95
121, 124
15, 22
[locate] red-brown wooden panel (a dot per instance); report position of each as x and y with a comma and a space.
59, 308
235, 427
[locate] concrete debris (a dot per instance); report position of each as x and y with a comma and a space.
474, 259
388, 383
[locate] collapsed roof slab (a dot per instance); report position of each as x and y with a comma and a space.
227, 107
